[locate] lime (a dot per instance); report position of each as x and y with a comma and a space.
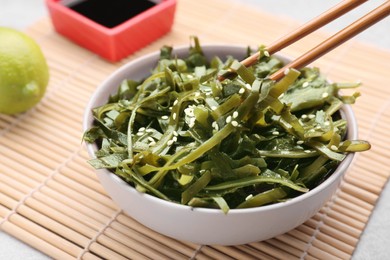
24, 73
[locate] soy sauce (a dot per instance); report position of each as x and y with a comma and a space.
110, 13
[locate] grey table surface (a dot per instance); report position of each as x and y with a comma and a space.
375, 240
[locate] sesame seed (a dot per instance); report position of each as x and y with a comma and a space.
300, 142
235, 114
248, 86
275, 133
318, 127
228, 119
213, 107
216, 98
266, 53
312, 116
249, 197
175, 133
152, 143
304, 116
334, 147
189, 111
286, 71
327, 123
197, 94
149, 130
234, 123
150, 139
142, 129
164, 117
140, 134
241, 91
307, 151
215, 125
174, 116
325, 95
191, 122
174, 138
175, 103
170, 108
305, 84
170, 142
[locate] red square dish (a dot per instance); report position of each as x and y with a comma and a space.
119, 41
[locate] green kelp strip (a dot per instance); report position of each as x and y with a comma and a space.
184, 136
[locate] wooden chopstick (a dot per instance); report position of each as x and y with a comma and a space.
307, 28
337, 39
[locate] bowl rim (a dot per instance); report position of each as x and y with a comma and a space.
346, 112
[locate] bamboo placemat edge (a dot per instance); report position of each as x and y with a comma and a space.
331, 233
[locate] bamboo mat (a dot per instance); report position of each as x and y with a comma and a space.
51, 199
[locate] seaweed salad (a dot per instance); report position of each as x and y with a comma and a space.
186, 136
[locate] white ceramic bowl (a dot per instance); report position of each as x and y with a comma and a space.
201, 225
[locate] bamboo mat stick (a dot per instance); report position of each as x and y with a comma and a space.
85, 191
363, 184
31, 168
44, 234
173, 244
305, 247
220, 252
345, 219
48, 124
346, 229
84, 180
67, 221
251, 252
58, 138
372, 177
112, 246
11, 173
351, 213
32, 153
36, 143
86, 204
332, 231
317, 243
356, 201
270, 250
90, 223
64, 230
146, 240
350, 207
75, 205
35, 241
141, 248
359, 193
328, 240
287, 248
106, 253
